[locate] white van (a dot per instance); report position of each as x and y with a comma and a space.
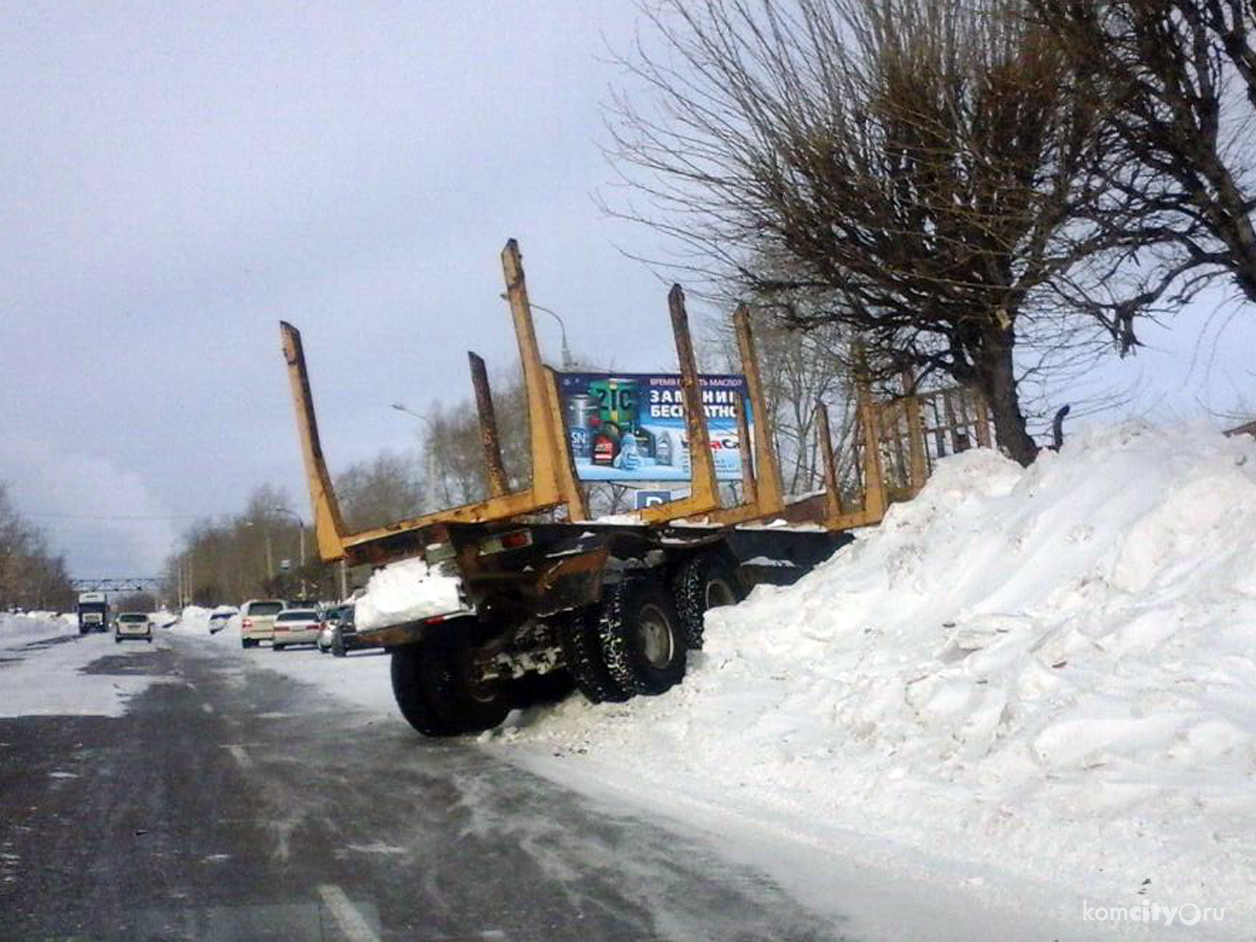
257, 621
135, 625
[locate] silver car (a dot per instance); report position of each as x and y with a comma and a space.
296, 626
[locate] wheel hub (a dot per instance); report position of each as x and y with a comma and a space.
656, 636
719, 593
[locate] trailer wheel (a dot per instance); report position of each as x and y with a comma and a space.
703, 582
438, 693
409, 688
642, 639
582, 651
473, 704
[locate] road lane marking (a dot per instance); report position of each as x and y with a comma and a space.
354, 927
207, 708
242, 757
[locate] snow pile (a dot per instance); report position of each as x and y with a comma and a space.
1050, 670
32, 626
193, 620
406, 591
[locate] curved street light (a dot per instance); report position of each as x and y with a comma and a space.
568, 363
301, 530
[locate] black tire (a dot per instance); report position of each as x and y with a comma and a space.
117, 640
408, 683
582, 653
276, 647
337, 644
435, 688
541, 689
643, 643
703, 582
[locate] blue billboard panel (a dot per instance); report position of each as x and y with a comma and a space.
631, 426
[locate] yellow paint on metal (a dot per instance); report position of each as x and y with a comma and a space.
704, 495
329, 528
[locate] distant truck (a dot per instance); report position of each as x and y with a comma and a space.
93, 612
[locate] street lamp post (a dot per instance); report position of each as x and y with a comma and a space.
301, 531
568, 362
270, 557
430, 452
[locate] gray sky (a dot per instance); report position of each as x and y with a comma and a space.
180, 176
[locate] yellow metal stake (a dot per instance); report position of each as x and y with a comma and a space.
564, 461
704, 494
329, 528
495, 469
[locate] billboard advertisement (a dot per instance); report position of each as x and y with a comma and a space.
631, 426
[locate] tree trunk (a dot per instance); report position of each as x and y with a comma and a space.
997, 379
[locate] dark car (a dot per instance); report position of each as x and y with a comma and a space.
344, 635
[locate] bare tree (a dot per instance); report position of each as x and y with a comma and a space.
31, 575
1176, 81
234, 558
798, 368
380, 491
919, 172
453, 451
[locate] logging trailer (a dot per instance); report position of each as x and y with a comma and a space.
549, 599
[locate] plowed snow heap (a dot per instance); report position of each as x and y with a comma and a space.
1060, 661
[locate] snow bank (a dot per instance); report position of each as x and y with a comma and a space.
1050, 670
32, 626
403, 592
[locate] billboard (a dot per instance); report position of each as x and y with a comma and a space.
631, 426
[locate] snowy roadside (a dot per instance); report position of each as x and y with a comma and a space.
1047, 673
360, 679
34, 626
1029, 689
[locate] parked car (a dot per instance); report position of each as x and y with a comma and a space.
218, 620
133, 625
344, 637
257, 621
332, 614
324, 637
296, 626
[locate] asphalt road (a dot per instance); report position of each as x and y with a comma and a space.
231, 803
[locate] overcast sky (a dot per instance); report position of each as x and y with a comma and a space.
180, 176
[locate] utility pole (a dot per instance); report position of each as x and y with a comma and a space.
270, 562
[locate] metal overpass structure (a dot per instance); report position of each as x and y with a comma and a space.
119, 584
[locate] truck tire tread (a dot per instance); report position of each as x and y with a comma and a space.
690, 589
623, 647
582, 652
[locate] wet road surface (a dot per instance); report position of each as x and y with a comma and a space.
231, 803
